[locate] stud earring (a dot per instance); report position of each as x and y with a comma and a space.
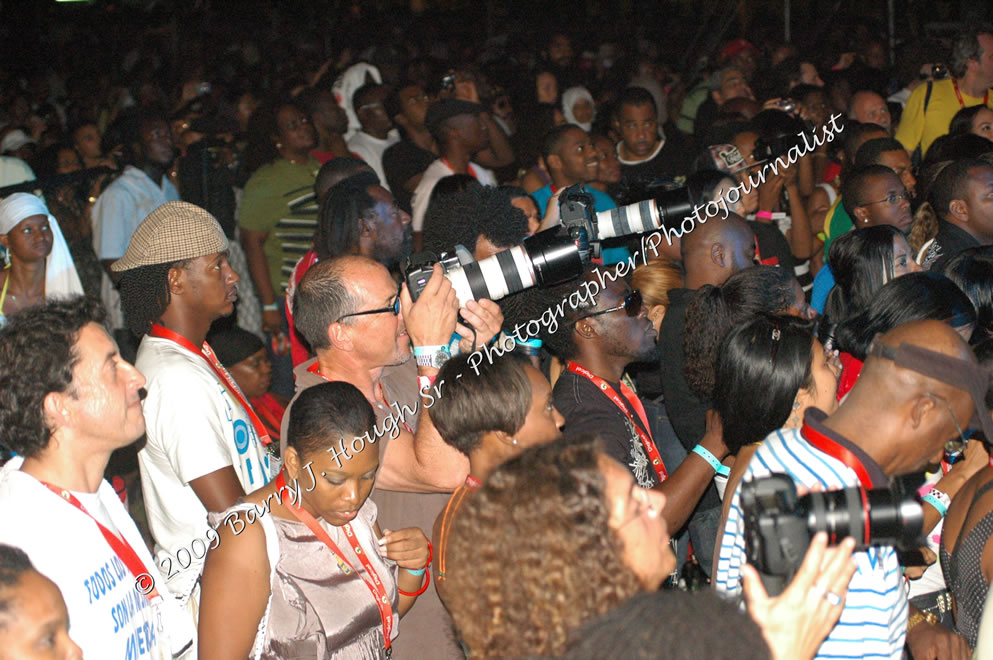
513, 441
279, 145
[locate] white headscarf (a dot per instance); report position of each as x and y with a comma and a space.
61, 279
569, 98
344, 89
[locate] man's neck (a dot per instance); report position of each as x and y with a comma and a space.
334, 365
186, 324
457, 159
632, 158
971, 84
154, 172
850, 423
379, 135
609, 367
697, 279
971, 229
421, 136
560, 180
60, 466
332, 142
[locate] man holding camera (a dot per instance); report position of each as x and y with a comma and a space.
365, 331
931, 107
919, 380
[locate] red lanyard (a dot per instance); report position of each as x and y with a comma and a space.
958, 94
471, 171
208, 354
472, 483
833, 449
644, 434
316, 369
371, 578
121, 548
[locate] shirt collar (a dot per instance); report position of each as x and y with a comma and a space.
814, 418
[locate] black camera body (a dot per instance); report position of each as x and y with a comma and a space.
779, 524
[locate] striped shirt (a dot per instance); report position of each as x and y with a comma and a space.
873, 623
279, 201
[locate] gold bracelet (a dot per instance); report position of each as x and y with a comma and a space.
922, 617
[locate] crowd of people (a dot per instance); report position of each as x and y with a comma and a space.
266, 390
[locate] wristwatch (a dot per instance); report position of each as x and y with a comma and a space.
431, 356
922, 617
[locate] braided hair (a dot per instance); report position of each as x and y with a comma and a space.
145, 295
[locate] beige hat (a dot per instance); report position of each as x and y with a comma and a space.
173, 232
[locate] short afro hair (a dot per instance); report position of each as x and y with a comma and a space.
952, 183
463, 216
853, 189
37, 357
869, 152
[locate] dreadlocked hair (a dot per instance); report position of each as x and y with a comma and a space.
145, 295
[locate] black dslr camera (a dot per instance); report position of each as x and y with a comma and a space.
549, 257
779, 524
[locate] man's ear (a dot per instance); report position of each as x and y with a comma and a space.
177, 280
585, 329
717, 97
861, 216
339, 337
554, 161
919, 410
718, 255
958, 210
366, 226
55, 411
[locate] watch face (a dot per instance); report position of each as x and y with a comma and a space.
439, 359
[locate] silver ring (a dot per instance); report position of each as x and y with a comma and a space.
833, 598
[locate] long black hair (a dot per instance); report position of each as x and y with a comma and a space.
861, 262
713, 311
761, 366
972, 271
913, 297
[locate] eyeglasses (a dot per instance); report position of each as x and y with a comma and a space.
394, 308
953, 445
892, 199
631, 306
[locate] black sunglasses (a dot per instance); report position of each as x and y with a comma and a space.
395, 308
631, 306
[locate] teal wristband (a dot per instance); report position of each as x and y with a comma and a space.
419, 571
936, 503
430, 350
271, 307
719, 467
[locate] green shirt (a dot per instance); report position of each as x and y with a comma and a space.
279, 200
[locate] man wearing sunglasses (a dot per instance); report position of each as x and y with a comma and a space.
597, 345
919, 386
366, 332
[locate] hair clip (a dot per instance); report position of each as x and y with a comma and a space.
776, 334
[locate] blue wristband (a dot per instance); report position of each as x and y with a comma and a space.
719, 467
936, 503
419, 571
430, 350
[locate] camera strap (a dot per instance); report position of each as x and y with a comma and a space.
371, 578
958, 94
837, 451
645, 434
207, 353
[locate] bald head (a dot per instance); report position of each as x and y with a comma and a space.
912, 409
870, 108
716, 250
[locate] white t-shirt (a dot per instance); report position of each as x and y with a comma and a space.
109, 617
370, 149
436, 171
194, 427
